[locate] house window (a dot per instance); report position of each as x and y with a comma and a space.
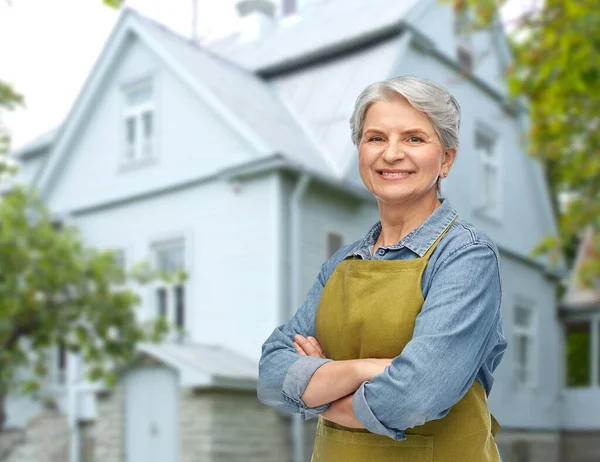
578, 349
170, 295
523, 340
334, 243
486, 147
463, 20
138, 120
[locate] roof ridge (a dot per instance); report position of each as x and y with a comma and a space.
191, 42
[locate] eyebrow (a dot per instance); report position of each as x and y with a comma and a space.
408, 131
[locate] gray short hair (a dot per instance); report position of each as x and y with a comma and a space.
440, 107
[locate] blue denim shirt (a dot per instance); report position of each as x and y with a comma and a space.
457, 337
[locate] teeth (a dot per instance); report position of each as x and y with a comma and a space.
392, 174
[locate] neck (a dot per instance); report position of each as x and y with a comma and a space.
399, 220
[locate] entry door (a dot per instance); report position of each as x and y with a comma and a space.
151, 427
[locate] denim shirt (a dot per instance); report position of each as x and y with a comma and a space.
457, 336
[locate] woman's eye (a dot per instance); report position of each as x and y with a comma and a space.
376, 138
415, 139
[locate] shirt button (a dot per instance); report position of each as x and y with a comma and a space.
381, 252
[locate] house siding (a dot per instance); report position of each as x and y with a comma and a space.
227, 232
190, 142
536, 408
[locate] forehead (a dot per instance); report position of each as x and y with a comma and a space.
395, 112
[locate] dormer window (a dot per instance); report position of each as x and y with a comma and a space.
463, 20
138, 120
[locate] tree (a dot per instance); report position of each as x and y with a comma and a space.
55, 291
556, 69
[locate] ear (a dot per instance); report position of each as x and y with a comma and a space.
448, 159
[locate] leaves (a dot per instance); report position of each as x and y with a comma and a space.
556, 68
55, 290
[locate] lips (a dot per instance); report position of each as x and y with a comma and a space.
394, 174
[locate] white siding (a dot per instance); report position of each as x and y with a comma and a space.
513, 405
324, 211
30, 168
229, 239
190, 142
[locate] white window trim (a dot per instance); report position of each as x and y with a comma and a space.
481, 162
594, 320
532, 332
185, 237
136, 111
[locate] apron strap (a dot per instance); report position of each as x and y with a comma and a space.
437, 241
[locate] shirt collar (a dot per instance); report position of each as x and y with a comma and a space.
418, 240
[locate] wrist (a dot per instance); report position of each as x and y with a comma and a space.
360, 371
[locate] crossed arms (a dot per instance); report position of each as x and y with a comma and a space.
335, 382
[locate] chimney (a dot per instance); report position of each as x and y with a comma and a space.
256, 17
289, 7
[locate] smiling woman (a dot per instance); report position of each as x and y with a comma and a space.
395, 347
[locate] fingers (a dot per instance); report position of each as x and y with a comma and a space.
310, 348
316, 344
299, 349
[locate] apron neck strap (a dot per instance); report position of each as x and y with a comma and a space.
437, 241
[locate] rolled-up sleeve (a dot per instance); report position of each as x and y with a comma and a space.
283, 373
454, 333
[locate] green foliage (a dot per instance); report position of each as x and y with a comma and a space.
54, 290
556, 68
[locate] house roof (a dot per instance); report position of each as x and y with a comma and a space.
205, 365
38, 144
578, 295
244, 101
246, 94
328, 26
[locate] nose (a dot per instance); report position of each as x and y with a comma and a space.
393, 153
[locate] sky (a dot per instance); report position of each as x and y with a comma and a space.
48, 48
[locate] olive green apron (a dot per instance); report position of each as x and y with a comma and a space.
368, 310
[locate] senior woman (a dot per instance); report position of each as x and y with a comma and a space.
397, 341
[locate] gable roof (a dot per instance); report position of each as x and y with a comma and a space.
578, 296
240, 98
328, 27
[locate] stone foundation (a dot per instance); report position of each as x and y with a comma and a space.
530, 446
581, 446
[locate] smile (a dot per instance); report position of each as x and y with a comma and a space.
394, 175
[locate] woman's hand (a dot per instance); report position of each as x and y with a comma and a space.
341, 413
369, 367
308, 346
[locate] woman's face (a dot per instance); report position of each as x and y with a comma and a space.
400, 155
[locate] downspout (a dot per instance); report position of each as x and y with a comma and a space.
295, 289
72, 392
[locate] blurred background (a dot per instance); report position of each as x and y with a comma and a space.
173, 175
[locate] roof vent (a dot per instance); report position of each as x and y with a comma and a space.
257, 17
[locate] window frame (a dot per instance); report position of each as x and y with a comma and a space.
482, 162
171, 288
594, 321
137, 112
530, 332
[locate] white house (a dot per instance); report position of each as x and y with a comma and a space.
233, 160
